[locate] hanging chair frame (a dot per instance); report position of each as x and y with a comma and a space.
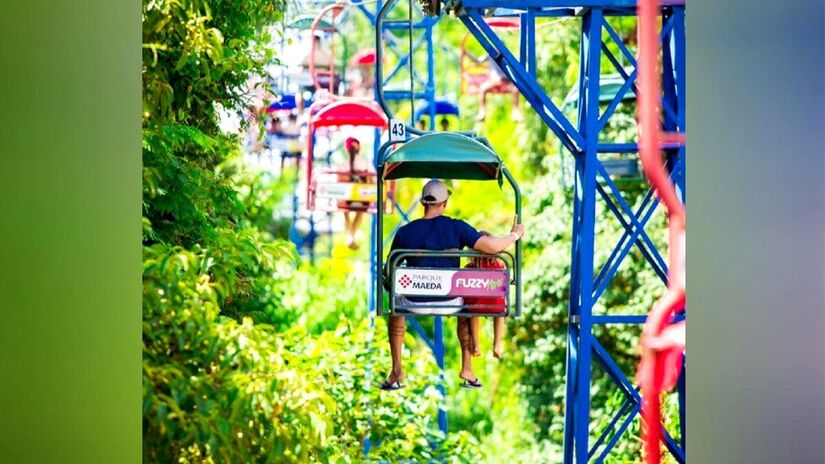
473, 74
436, 165
340, 113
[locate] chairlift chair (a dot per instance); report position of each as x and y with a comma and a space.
327, 77
474, 74
361, 61
446, 155
440, 107
304, 22
625, 168
287, 145
299, 26
343, 190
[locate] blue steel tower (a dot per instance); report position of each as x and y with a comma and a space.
593, 184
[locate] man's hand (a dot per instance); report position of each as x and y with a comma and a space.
492, 244
517, 228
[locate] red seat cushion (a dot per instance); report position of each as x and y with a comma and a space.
500, 304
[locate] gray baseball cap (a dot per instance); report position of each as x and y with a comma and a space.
434, 192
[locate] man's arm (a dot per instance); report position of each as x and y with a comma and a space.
492, 244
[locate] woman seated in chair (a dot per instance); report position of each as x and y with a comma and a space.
356, 172
486, 305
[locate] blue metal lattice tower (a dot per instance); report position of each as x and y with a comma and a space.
593, 184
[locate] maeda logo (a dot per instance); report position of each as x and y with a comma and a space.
427, 285
423, 282
426, 282
334, 191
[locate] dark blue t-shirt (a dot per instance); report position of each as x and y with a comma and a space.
437, 234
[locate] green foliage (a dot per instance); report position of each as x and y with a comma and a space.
229, 373
216, 390
185, 197
318, 298
197, 54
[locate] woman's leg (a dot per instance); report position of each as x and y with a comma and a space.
352, 230
348, 227
474, 322
356, 222
498, 333
466, 342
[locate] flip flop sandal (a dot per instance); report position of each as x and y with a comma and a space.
472, 384
390, 386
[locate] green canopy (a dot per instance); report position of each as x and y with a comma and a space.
443, 155
608, 88
304, 22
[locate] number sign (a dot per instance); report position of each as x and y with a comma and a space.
398, 131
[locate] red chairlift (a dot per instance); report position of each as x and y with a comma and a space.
474, 74
363, 57
344, 190
361, 71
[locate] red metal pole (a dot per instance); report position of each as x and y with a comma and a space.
662, 344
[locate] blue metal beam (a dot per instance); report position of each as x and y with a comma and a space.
622, 247
666, 106
615, 439
403, 25
404, 61
638, 236
604, 319
629, 147
576, 440
417, 328
626, 407
405, 95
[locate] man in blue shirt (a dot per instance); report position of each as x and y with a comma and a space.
438, 232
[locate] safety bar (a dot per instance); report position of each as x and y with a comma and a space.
345, 172
464, 310
396, 256
388, 203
